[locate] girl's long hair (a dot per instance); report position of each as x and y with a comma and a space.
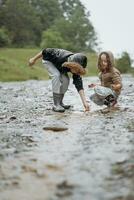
109, 60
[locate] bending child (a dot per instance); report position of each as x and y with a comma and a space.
110, 78
58, 63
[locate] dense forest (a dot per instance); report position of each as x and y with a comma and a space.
56, 23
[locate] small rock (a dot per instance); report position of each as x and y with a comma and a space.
55, 128
13, 118
65, 185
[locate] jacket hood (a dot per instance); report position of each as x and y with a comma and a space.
78, 58
110, 56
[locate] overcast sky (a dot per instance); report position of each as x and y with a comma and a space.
113, 21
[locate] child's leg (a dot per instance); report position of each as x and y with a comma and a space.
95, 98
64, 78
56, 85
63, 89
55, 76
111, 100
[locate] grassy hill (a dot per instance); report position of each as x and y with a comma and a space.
14, 65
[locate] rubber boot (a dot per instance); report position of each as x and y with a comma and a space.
57, 107
110, 101
62, 104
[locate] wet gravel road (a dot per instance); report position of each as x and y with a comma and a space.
91, 157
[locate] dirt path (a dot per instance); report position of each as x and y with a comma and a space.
92, 160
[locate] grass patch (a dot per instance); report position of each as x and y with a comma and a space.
14, 65
92, 64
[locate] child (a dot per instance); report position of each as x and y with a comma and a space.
58, 63
110, 78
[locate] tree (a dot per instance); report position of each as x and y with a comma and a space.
25, 20
75, 27
53, 39
124, 63
4, 38
48, 11
21, 21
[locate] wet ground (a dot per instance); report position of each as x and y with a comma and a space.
91, 158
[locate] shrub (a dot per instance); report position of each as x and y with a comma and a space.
4, 38
124, 63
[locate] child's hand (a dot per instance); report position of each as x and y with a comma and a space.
92, 85
31, 62
113, 87
116, 87
87, 108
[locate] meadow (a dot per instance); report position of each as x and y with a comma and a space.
14, 65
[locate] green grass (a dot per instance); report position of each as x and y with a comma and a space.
14, 65
92, 64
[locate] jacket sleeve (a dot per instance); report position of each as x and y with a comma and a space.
100, 76
44, 53
117, 78
77, 81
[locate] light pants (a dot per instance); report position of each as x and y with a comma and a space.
60, 81
100, 95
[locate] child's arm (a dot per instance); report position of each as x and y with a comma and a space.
35, 58
92, 85
84, 101
116, 87
117, 82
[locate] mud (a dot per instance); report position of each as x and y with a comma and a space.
90, 158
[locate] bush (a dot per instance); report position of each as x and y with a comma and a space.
4, 38
53, 39
124, 63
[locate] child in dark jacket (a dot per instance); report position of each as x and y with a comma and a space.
58, 63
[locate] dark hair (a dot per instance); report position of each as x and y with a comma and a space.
79, 58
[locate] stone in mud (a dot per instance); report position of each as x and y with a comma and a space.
64, 189
13, 118
65, 185
55, 128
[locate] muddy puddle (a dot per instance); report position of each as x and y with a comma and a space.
90, 157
